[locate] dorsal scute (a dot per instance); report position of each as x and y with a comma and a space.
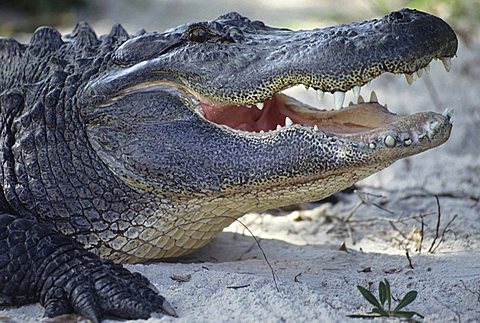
118, 32
46, 37
83, 35
10, 47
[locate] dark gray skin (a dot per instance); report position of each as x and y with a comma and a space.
129, 148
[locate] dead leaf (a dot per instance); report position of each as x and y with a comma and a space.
392, 271
181, 278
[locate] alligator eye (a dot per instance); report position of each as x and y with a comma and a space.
198, 35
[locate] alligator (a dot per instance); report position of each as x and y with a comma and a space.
133, 148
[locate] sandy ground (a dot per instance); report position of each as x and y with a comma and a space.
231, 281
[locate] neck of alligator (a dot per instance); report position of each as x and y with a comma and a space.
128, 144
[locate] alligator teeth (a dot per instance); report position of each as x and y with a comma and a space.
356, 90
447, 63
409, 78
350, 103
419, 73
448, 113
372, 145
373, 97
288, 122
279, 127
427, 69
259, 105
389, 141
338, 98
306, 87
320, 94
315, 128
360, 99
407, 142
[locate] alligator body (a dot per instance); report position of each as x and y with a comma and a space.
130, 148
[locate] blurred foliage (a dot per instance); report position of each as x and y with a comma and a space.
42, 7
27, 15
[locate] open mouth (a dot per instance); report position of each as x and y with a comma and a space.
281, 111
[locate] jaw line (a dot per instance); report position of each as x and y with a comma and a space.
354, 120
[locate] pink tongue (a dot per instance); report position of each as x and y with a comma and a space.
231, 115
246, 118
270, 117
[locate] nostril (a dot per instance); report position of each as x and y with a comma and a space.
397, 15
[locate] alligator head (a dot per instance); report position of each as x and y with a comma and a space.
197, 112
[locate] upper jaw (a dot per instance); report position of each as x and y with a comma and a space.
335, 59
261, 63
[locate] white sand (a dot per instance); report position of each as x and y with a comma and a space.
447, 281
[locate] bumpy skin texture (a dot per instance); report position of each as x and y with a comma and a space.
55, 191
40, 264
94, 167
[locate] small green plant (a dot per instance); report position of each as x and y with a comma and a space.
385, 296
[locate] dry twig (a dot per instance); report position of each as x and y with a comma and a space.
437, 229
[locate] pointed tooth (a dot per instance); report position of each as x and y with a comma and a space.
261, 131
447, 63
306, 87
356, 90
389, 141
288, 122
260, 105
338, 98
448, 113
409, 78
279, 127
320, 95
427, 69
360, 99
315, 128
351, 103
419, 73
373, 97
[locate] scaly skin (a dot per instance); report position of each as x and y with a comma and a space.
136, 148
